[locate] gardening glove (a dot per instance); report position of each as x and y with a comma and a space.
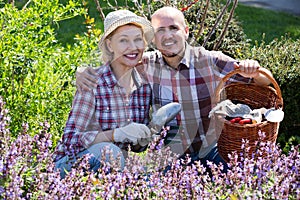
134, 133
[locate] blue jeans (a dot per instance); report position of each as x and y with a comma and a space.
96, 151
212, 156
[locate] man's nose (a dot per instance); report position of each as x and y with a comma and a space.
168, 33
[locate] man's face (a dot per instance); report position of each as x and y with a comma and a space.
170, 34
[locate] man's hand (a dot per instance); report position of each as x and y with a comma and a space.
86, 78
134, 133
250, 68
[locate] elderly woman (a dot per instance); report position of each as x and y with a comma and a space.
114, 115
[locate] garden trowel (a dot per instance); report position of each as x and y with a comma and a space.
162, 116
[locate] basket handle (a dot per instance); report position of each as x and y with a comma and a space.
236, 71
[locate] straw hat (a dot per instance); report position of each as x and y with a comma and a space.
119, 18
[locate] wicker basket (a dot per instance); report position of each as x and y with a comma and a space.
256, 97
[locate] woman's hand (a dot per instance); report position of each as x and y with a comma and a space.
135, 133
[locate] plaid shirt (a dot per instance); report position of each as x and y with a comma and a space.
192, 85
103, 108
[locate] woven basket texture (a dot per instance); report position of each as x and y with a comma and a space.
256, 97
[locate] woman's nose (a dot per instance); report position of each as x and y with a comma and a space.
132, 45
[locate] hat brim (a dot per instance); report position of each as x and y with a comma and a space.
140, 21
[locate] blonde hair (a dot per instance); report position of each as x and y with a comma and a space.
107, 55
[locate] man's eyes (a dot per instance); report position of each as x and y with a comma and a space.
171, 28
160, 30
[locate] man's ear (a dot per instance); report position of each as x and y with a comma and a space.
187, 32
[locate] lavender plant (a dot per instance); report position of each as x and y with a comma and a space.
27, 172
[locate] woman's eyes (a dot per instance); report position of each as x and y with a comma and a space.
138, 39
127, 40
123, 40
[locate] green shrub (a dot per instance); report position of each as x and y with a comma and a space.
35, 71
282, 57
233, 43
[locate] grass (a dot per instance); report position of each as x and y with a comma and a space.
265, 24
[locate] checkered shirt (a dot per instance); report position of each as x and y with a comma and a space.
192, 85
103, 108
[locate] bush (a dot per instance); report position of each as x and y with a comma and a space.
233, 42
282, 58
36, 72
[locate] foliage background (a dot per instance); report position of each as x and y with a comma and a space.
42, 43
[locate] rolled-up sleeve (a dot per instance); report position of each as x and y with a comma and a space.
82, 126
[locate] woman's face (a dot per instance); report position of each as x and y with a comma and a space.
127, 45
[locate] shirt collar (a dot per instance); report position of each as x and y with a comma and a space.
188, 57
137, 77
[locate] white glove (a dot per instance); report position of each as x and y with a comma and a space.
134, 132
